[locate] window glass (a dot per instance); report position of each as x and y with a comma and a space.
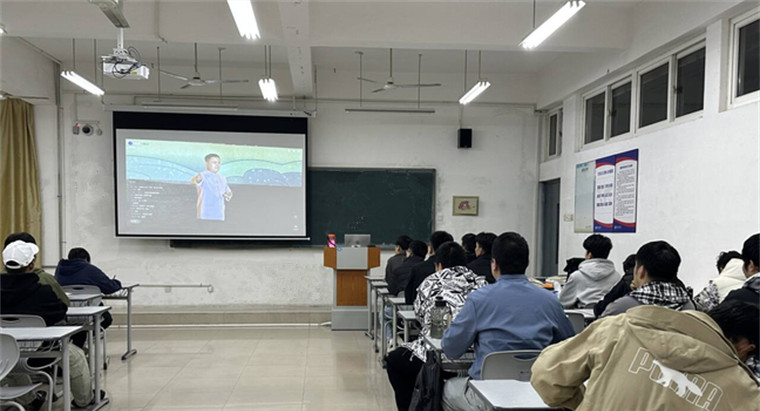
748, 76
653, 106
553, 135
620, 116
594, 119
690, 83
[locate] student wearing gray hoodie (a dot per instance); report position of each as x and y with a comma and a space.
594, 278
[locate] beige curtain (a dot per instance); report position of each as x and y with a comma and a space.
19, 178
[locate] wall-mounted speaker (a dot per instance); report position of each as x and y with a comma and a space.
464, 138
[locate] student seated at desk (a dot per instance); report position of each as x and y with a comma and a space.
453, 282
654, 358
398, 257
730, 277
78, 270
424, 269
512, 314
415, 254
44, 277
595, 277
22, 293
468, 243
481, 265
621, 289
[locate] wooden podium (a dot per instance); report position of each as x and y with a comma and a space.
350, 264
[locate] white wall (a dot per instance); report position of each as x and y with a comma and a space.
699, 180
501, 168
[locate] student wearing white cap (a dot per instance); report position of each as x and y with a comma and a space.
22, 293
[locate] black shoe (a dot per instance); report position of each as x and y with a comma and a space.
38, 402
92, 402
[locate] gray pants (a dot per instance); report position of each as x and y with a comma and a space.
457, 396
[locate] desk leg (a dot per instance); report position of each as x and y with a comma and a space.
66, 374
406, 331
374, 321
384, 343
369, 311
98, 347
90, 349
130, 352
394, 324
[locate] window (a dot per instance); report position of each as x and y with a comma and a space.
620, 115
748, 66
594, 118
690, 82
554, 139
653, 97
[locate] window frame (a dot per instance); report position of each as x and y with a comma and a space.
674, 72
547, 138
631, 121
669, 100
586, 97
736, 24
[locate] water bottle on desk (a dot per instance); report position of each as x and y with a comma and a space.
440, 314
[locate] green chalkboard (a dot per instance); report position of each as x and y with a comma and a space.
382, 202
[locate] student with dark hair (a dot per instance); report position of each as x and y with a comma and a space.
453, 282
402, 244
44, 277
654, 358
468, 243
512, 314
595, 276
621, 289
730, 277
655, 281
424, 269
750, 290
415, 254
482, 264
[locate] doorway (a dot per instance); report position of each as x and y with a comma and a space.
549, 228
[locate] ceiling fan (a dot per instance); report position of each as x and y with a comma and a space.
196, 80
391, 85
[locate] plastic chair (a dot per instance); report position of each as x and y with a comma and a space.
9, 356
509, 365
577, 320
23, 320
83, 289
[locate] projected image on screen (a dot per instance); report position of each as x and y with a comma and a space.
210, 183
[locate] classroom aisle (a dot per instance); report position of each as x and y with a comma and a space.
246, 368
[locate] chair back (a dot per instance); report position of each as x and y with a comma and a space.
509, 365
9, 354
577, 320
83, 289
23, 320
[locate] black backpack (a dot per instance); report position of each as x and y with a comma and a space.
428, 389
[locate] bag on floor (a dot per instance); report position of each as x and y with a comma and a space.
428, 389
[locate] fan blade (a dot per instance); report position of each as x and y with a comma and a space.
177, 76
186, 85
368, 80
379, 90
418, 85
234, 81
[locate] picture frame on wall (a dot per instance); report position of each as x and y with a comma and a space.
465, 205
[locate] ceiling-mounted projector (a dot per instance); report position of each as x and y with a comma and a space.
122, 65
113, 10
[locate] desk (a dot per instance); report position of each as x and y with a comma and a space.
458, 365
396, 303
371, 283
509, 395
126, 294
588, 313
407, 316
93, 315
82, 300
61, 334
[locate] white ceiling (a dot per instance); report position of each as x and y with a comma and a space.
326, 33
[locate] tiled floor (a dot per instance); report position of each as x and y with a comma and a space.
246, 368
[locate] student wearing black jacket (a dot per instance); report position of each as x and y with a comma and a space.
482, 263
415, 254
621, 289
21, 293
424, 269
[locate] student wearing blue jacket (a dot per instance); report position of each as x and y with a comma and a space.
77, 270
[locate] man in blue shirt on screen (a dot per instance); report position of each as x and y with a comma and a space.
213, 190
511, 314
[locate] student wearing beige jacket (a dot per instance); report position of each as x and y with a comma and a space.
655, 359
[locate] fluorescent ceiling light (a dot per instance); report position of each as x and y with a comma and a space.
268, 89
391, 110
474, 92
2, 29
552, 24
242, 12
82, 82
